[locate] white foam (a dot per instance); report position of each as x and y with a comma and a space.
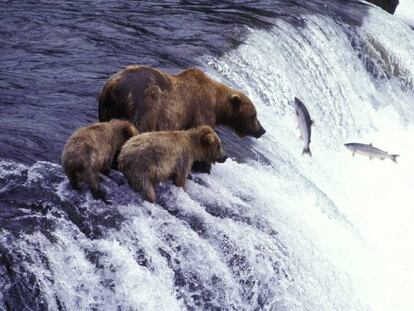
405, 10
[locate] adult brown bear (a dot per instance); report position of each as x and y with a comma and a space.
157, 101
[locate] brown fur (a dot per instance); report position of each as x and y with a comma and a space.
157, 101
92, 149
150, 158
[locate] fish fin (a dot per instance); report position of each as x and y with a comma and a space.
370, 144
394, 157
306, 151
312, 122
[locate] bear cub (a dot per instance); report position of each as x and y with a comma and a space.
93, 149
153, 157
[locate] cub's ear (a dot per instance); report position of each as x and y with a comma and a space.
134, 130
129, 131
126, 133
207, 139
235, 101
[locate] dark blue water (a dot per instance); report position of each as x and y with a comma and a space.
54, 58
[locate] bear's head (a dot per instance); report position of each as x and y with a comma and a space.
243, 116
212, 150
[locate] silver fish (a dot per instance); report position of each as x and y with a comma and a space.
370, 151
304, 124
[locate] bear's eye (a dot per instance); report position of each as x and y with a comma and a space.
218, 147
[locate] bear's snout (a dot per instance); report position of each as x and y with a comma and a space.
260, 132
222, 158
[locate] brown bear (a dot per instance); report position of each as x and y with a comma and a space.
157, 101
93, 149
150, 158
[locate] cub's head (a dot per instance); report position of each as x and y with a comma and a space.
243, 116
212, 150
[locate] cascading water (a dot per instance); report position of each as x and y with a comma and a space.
268, 230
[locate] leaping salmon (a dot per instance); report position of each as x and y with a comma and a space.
304, 124
370, 151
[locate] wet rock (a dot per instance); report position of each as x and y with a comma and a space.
388, 5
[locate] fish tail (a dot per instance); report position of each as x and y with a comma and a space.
307, 151
394, 157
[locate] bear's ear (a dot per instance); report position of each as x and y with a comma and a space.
129, 132
126, 133
134, 130
235, 101
207, 139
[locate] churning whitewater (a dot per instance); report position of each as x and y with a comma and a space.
269, 229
